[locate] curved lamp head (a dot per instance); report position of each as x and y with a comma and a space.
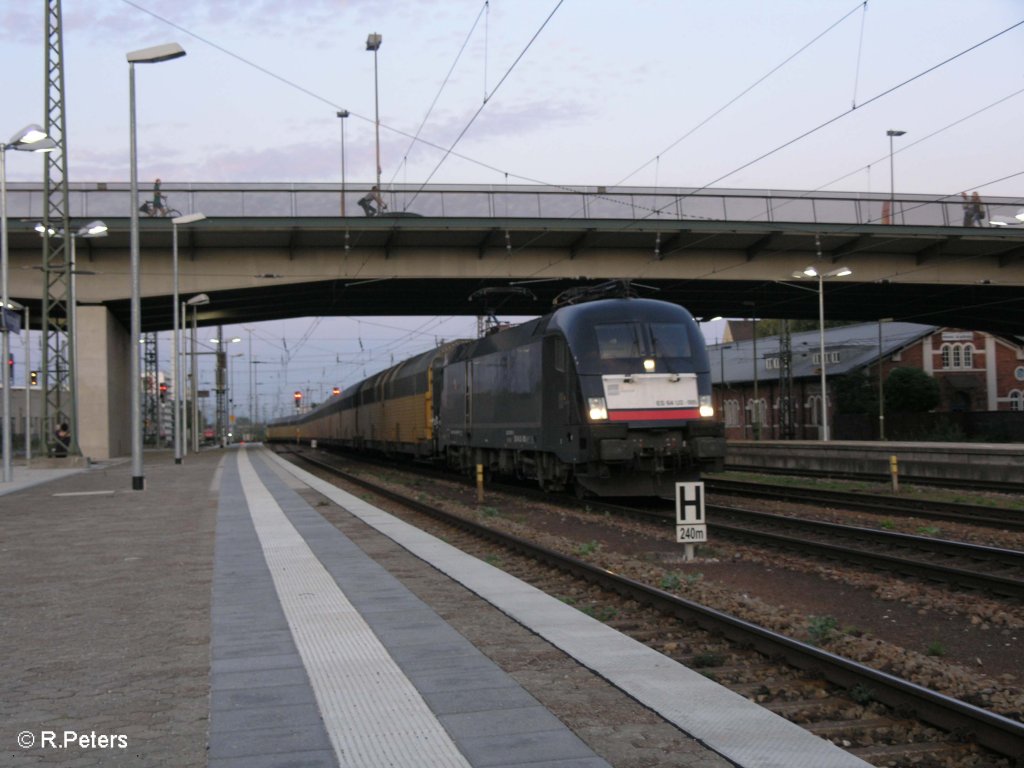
93, 229
188, 218
198, 300
156, 54
812, 271
31, 138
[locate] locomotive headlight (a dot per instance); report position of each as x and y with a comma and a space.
707, 410
597, 408
649, 364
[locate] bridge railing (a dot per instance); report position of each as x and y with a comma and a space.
99, 200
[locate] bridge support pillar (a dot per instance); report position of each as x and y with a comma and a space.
104, 419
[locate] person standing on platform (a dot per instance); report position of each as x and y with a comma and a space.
62, 437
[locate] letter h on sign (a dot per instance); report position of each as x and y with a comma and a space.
689, 503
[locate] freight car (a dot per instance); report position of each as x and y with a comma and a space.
611, 397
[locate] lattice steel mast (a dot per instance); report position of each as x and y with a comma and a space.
151, 390
787, 426
58, 363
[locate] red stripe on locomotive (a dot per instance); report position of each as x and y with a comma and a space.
654, 414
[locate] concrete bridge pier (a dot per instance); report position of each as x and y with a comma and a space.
104, 356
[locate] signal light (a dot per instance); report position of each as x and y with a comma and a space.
163, 392
33, 377
298, 399
336, 391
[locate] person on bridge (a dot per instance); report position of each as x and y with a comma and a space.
158, 200
373, 196
974, 211
979, 209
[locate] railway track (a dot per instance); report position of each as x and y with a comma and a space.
970, 566
881, 477
856, 707
995, 517
959, 564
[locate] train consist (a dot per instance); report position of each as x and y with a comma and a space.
611, 397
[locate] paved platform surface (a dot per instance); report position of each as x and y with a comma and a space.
105, 614
217, 618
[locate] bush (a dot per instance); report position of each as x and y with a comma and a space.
910, 390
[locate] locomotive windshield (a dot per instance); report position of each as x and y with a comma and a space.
616, 341
620, 341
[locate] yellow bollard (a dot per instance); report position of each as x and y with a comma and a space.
479, 483
894, 472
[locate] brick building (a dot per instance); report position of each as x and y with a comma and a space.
976, 373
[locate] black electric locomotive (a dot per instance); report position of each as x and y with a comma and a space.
611, 397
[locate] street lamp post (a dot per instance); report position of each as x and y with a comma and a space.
813, 271
892, 178
195, 302
28, 392
31, 138
153, 55
177, 221
231, 393
342, 115
373, 44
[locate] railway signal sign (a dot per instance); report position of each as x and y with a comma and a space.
691, 525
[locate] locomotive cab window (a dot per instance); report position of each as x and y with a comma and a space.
618, 341
670, 340
622, 341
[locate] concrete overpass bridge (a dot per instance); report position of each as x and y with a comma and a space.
274, 251
270, 251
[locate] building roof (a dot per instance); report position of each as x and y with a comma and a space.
848, 348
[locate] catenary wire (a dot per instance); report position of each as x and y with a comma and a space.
742, 93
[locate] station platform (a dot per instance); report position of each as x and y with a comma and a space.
219, 618
929, 462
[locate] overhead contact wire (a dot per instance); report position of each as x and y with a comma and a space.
744, 92
476, 114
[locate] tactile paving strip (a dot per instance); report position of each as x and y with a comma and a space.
372, 713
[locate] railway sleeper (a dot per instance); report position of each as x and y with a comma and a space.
855, 729
809, 710
889, 754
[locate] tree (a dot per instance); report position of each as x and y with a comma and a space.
910, 390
